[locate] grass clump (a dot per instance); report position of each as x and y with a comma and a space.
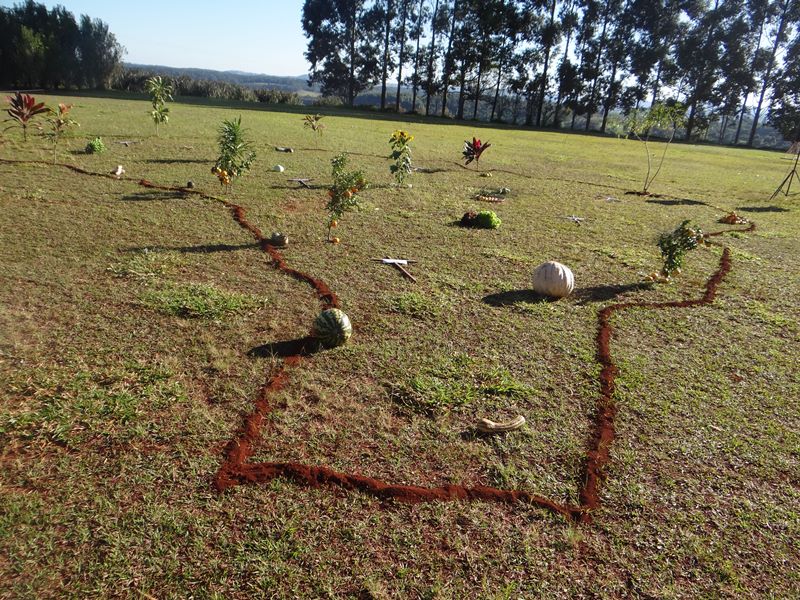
414, 304
197, 301
142, 266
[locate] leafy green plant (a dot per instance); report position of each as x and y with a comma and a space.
676, 244
485, 219
641, 125
473, 150
60, 123
95, 146
236, 154
401, 155
23, 110
314, 123
343, 193
160, 92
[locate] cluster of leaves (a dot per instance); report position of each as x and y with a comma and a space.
401, 155
23, 110
676, 244
60, 122
485, 219
95, 146
160, 92
473, 150
314, 123
662, 116
343, 193
235, 152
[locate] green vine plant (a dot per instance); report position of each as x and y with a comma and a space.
314, 123
60, 122
235, 153
23, 110
343, 193
674, 246
160, 92
661, 116
401, 155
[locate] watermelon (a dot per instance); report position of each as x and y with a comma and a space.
332, 328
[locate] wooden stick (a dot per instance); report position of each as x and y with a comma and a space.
406, 273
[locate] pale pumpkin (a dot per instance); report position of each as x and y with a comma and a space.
553, 279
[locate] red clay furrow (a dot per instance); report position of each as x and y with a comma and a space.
235, 470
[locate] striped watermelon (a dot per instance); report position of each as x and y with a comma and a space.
553, 279
332, 327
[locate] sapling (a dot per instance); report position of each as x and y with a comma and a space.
343, 193
160, 93
314, 123
24, 109
235, 153
676, 244
401, 154
659, 116
473, 150
60, 122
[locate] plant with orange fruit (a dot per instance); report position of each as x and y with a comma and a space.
235, 153
343, 193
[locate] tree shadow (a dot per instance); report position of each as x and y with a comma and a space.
153, 195
201, 249
762, 209
516, 297
305, 346
602, 293
677, 202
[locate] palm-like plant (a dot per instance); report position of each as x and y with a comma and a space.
160, 92
314, 123
23, 109
473, 150
235, 152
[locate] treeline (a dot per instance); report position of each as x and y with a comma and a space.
133, 80
50, 48
566, 63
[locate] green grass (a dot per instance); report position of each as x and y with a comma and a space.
115, 408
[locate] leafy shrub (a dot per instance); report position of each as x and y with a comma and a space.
59, 122
160, 92
676, 244
95, 146
473, 150
235, 152
401, 154
314, 123
23, 110
343, 193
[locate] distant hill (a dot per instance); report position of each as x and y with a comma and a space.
253, 80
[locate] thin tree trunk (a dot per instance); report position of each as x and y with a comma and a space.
462, 83
657, 82
607, 107
600, 48
351, 83
748, 90
497, 89
447, 60
477, 91
430, 60
401, 59
768, 74
385, 70
556, 124
415, 77
545, 66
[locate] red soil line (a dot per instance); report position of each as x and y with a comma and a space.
599, 455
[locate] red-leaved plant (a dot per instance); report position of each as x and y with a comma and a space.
473, 150
23, 109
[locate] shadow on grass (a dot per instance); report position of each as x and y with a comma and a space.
154, 195
300, 347
202, 249
516, 297
170, 161
602, 293
677, 202
762, 209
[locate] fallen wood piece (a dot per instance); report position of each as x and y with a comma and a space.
302, 181
402, 269
282, 149
574, 219
495, 199
487, 426
398, 264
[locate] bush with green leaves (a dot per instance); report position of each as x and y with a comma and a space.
642, 124
95, 146
485, 219
676, 244
236, 153
160, 92
314, 123
343, 193
401, 155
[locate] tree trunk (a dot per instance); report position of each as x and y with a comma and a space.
600, 48
543, 89
415, 77
448, 58
497, 89
351, 82
768, 74
430, 60
690, 121
556, 124
607, 107
462, 98
748, 90
477, 91
402, 56
384, 72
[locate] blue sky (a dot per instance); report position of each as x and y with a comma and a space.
260, 36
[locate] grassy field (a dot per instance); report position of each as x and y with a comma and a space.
135, 325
